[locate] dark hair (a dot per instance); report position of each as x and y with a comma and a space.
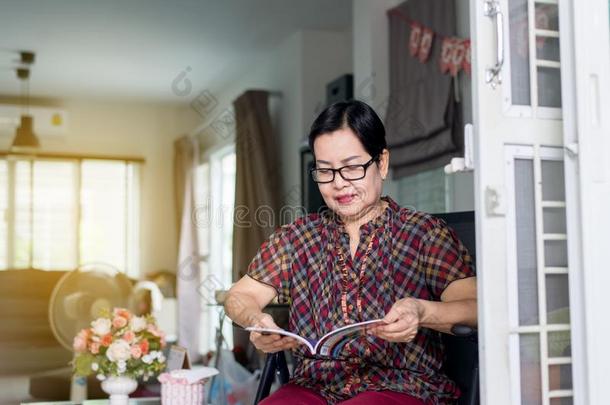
356, 115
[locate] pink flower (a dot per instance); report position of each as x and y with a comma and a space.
119, 322
106, 340
79, 344
94, 348
144, 346
122, 312
136, 351
84, 333
154, 330
129, 336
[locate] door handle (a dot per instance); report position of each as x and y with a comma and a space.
492, 74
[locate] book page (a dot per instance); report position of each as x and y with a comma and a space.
309, 344
332, 343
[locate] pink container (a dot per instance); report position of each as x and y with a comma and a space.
184, 387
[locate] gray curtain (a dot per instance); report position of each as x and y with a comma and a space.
257, 184
424, 129
186, 158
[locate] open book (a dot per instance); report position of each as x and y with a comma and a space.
331, 343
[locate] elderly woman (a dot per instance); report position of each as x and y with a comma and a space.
364, 258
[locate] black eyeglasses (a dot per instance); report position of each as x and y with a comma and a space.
350, 172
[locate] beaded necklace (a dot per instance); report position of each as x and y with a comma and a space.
345, 279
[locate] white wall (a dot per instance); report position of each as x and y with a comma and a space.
371, 52
132, 129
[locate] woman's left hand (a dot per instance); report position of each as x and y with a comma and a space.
401, 322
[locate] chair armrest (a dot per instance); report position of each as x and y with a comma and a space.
463, 330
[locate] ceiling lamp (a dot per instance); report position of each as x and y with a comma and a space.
25, 138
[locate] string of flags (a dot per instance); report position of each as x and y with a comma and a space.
455, 51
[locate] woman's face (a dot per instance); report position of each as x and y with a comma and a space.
350, 199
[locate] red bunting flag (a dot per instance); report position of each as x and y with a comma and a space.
466, 62
425, 46
457, 56
446, 54
415, 38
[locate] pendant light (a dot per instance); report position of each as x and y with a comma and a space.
25, 139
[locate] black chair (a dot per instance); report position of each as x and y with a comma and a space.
461, 362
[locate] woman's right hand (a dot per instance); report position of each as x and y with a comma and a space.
270, 343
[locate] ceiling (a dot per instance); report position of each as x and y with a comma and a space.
136, 48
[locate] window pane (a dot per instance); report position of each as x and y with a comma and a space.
557, 299
54, 222
562, 401
553, 183
560, 377
555, 253
23, 217
559, 344
104, 213
203, 208
228, 166
554, 220
547, 17
133, 220
430, 195
3, 213
549, 87
519, 52
529, 353
526, 242
547, 48
228, 201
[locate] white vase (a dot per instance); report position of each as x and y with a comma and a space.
119, 389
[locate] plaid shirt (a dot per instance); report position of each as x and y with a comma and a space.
412, 254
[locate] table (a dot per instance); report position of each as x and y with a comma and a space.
132, 401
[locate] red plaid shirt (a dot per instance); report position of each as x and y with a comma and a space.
412, 254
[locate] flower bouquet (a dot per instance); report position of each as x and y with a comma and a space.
122, 345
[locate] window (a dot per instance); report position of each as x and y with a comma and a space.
540, 340
534, 83
424, 191
215, 199
62, 213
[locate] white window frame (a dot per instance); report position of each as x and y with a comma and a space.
536, 154
532, 110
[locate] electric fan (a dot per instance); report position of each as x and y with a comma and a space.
78, 298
